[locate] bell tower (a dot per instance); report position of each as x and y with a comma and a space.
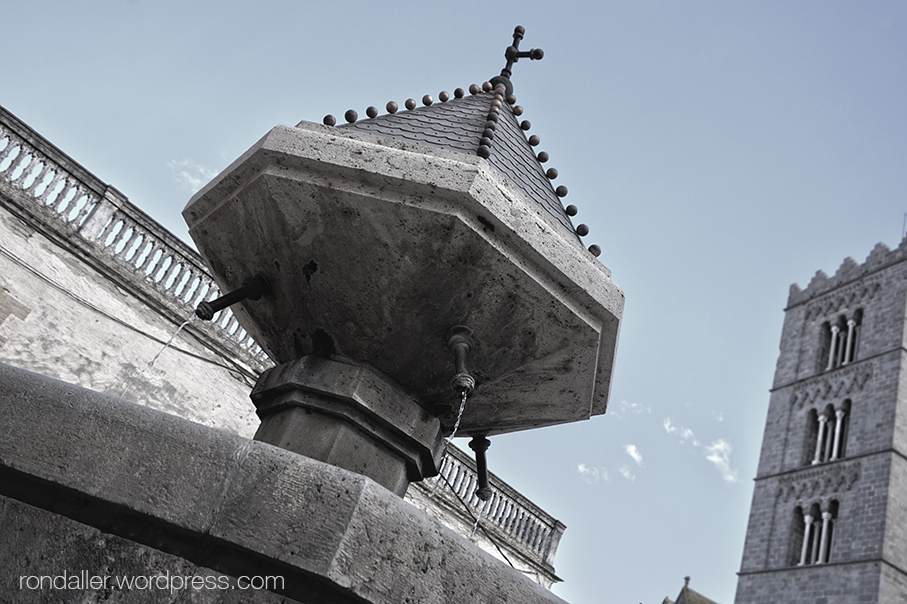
828, 521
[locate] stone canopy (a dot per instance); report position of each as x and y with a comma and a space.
375, 247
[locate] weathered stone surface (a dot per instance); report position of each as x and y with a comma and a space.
36, 544
375, 248
232, 505
63, 317
344, 414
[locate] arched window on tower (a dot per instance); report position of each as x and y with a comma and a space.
812, 435
839, 340
826, 433
812, 534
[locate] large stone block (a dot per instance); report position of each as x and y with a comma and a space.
233, 505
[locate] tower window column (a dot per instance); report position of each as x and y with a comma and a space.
848, 352
839, 422
807, 528
834, 346
820, 440
823, 542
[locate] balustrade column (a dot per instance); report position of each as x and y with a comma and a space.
831, 351
839, 421
821, 437
823, 545
851, 326
808, 524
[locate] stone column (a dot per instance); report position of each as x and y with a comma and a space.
808, 523
839, 421
822, 421
823, 545
345, 414
829, 442
851, 325
831, 351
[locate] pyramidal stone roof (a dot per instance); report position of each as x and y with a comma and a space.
483, 123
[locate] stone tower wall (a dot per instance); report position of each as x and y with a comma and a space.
867, 552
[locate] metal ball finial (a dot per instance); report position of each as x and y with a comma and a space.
571, 210
329, 120
410, 104
486, 86
443, 96
372, 111
561, 191
351, 116
474, 89
551, 173
459, 93
391, 107
534, 140
582, 230
595, 250
427, 100
517, 110
542, 157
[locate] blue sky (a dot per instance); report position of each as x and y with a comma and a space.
718, 152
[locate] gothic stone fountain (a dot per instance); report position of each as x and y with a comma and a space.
374, 244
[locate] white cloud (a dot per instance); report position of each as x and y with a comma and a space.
688, 436
685, 433
592, 474
633, 452
624, 470
719, 453
720, 416
189, 175
624, 407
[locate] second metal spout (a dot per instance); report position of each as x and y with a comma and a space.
460, 343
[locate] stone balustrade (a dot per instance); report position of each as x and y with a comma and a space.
52, 187
508, 515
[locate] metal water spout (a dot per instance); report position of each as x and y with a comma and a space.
480, 444
460, 343
253, 288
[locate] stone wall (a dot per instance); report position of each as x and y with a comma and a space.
217, 502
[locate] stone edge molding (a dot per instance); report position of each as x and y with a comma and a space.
232, 504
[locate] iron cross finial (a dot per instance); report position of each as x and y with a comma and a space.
514, 54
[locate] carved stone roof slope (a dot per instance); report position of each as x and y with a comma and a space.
461, 124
